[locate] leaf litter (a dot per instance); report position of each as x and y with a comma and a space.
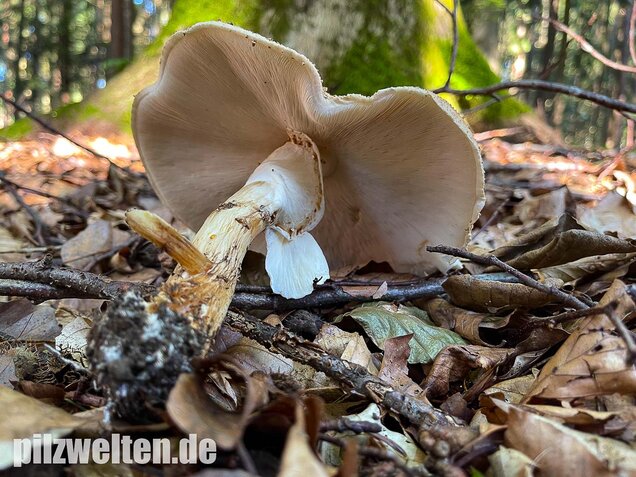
539, 388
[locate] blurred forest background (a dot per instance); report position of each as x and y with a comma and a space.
56, 53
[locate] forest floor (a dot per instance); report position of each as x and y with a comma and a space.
516, 378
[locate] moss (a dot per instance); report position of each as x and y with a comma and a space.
18, 130
471, 68
185, 13
385, 54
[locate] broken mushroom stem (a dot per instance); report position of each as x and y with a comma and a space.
284, 198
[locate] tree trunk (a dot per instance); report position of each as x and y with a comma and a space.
359, 46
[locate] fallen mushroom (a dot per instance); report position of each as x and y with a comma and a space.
238, 137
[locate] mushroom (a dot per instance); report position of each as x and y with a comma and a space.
239, 137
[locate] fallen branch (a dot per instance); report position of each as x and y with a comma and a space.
542, 85
20, 278
434, 426
40, 280
491, 260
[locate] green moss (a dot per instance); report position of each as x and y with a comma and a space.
385, 54
471, 68
18, 130
186, 13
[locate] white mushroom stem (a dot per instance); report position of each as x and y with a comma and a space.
283, 195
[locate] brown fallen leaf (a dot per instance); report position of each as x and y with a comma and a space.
466, 323
192, 410
544, 206
510, 463
569, 246
470, 292
81, 250
29, 416
298, 457
348, 346
571, 273
23, 321
394, 369
592, 360
536, 238
557, 450
613, 213
454, 362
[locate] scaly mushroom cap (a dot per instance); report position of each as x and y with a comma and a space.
401, 168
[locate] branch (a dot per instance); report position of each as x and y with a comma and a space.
453, 59
560, 295
66, 282
588, 48
40, 280
434, 425
596, 98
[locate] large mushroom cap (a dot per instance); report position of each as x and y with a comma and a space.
401, 168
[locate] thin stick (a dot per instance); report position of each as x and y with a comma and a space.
588, 48
374, 453
542, 85
563, 297
40, 280
435, 424
453, 58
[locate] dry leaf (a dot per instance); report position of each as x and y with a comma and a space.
470, 292
454, 362
192, 410
23, 321
395, 370
559, 451
25, 416
81, 251
348, 346
591, 361
463, 322
614, 213
510, 463
298, 458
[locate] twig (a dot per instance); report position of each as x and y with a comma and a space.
39, 291
588, 48
596, 98
560, 295
54, 130
84, 284
40, 280
565, 317
344, 424
69, 362
374, 453
453, 58
435, 424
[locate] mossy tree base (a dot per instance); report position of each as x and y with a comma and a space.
359, 46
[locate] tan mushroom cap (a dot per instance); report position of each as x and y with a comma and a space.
401, 168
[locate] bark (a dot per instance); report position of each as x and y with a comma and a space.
358, 46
